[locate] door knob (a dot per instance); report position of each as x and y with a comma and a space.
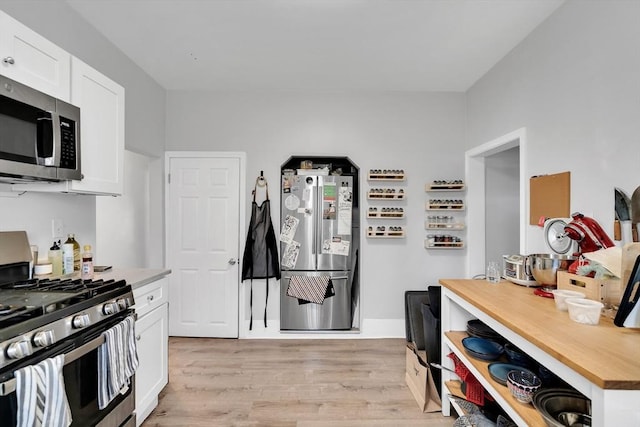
9, 60
232, 261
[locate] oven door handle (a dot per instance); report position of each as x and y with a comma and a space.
9, 386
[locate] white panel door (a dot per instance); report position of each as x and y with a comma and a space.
203, 226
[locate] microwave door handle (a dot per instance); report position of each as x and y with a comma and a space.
9, 386
54, 160
47, 146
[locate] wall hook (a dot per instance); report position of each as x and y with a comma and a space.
261, 181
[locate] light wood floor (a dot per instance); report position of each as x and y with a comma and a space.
301, 383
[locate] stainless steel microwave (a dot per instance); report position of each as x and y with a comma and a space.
39, 135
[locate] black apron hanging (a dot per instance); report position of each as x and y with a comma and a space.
260, 260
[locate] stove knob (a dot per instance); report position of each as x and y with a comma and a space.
18, 350
81, 321
44, 338
110, 308
124, 303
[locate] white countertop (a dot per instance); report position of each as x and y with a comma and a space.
134, 276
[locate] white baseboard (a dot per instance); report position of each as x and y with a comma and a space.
371, 328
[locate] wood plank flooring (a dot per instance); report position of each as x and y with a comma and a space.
288, 383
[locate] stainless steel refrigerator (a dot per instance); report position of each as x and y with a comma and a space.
317, 252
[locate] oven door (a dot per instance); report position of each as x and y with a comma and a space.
80, 374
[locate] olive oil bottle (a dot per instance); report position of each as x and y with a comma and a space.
76, 251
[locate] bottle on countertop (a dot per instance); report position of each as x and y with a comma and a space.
55, 258
76, 251
87, 264
67, 258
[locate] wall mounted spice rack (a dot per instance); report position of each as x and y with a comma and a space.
385, 194
443, 241
386, 175
386, 232
442, 185
385, 212
443, 222
445, 204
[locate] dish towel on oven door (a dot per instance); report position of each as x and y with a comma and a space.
117, 361
309, 288
40, 393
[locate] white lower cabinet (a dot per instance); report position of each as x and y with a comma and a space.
152, 341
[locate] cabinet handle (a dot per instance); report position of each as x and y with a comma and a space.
137, 337
9, 60
150, 298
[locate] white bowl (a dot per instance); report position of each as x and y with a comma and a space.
560, 295
584, 310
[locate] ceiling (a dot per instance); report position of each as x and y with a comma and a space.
317, 45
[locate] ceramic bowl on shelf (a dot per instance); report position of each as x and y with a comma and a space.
517, 356
498, 371
523, 385
481, 348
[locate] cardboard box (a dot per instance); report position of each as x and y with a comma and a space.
420, 382
606, 291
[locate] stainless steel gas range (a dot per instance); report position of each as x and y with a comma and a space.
44, 318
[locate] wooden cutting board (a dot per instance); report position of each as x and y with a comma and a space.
630, 252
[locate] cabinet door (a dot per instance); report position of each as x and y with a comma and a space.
152, 373
29, 58
101, 103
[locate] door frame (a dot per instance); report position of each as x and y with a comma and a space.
242, 158
475, 175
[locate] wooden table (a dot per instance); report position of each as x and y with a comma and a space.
601, 361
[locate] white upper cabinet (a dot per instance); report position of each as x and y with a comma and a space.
29, 58
101, 103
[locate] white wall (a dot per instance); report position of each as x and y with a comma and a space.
502, 205
420, 133
33, 213
573, 84
122, 222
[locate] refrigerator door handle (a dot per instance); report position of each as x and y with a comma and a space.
314, 239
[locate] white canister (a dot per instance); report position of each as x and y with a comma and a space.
67, 258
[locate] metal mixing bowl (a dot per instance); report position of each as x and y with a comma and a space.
550, 404
546, 266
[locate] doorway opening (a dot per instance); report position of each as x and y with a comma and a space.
497, 202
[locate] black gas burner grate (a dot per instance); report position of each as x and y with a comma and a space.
17, 314
28, 299
63, 285
6, 310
